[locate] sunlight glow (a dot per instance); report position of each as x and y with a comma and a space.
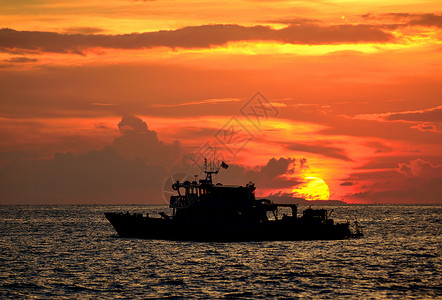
314, 188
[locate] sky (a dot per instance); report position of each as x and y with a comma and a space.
105, 102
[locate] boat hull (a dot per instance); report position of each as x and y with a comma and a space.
138, 226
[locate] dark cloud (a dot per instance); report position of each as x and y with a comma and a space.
203, 36
347, 183
137, 141
417, 19
319, 148
276, 167
418, 181
85, 30
132, 124
390, 162
128, 171
420, 168
380, 147
96, 177
272, 175
16, 155
427, 20
132, 169
412, 191
315, 35
408, 19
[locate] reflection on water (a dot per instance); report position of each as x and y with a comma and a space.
72, 251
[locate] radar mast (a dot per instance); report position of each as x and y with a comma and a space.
211, 167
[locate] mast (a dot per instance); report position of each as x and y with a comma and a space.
209, 169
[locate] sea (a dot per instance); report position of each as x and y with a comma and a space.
72, 252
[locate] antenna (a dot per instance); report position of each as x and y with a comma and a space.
210, 168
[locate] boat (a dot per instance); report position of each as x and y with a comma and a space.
205, 211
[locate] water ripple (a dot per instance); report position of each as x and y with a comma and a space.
72, 252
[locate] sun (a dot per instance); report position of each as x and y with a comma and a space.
314, 188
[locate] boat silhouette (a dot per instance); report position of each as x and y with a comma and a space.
204, 211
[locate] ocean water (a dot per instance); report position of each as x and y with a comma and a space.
67, 252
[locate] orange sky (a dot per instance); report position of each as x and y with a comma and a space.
352, 89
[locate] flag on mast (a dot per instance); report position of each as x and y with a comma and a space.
224, 165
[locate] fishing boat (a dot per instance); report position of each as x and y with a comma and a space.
204, 211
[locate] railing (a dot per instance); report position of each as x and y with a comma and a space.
183, 201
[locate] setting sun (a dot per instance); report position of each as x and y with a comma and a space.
314, 188
348, 92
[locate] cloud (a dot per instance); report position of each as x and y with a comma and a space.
16, 155
20, 59
319, 148
418, 181
276, 174
404, 19
332, 34
131, 124
203, 36
205, 101
429, 119
418, 191
294, 21
277, 167
95, 177
380, 147
16, 60
420, 168
137, 141
85, 30
407, 19
347, 183
426, 19
103, 104
427, 127
433, 114
411, 19
425, 115
132, 169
